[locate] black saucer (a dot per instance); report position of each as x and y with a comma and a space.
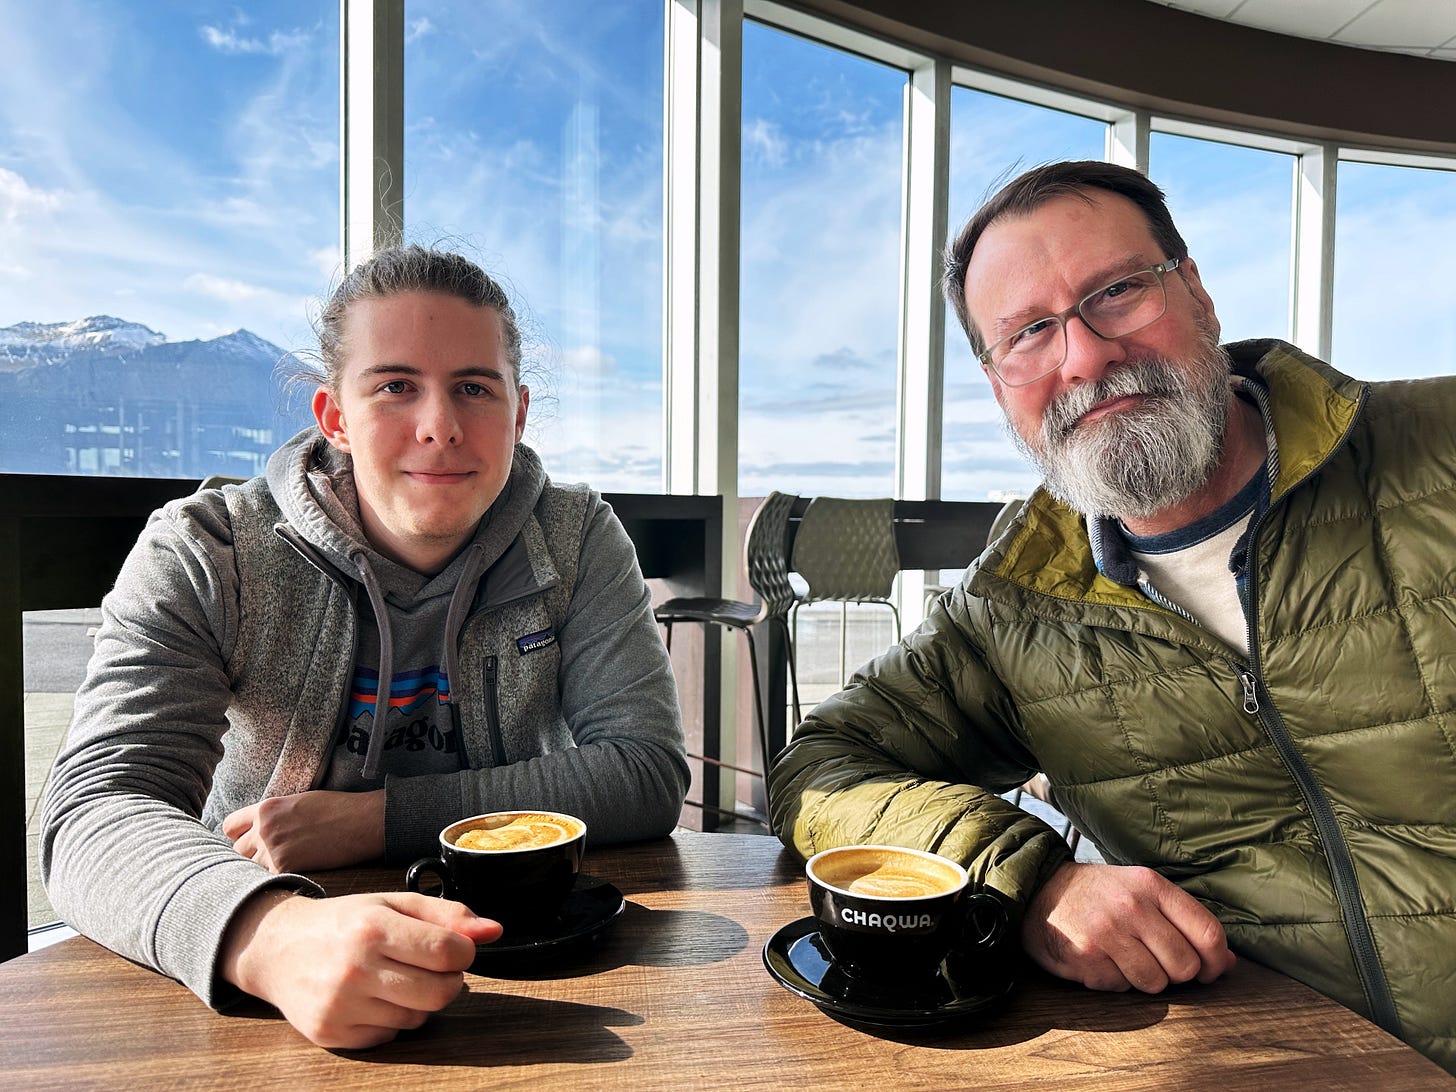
798, 961
587, 912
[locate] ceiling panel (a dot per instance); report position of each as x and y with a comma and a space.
1426, 28
1403, 24
1308, 19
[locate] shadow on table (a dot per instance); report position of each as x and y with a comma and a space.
490, 1029
640, 938
1042, 1005
670, 870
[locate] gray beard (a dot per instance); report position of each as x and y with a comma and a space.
1137, 463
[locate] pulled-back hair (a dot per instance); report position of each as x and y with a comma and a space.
1029, 191
412, 268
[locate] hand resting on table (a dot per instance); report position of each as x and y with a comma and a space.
1112, 927
352, 971
310, 830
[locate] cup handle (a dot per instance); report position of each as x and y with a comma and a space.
983, 922
435, 867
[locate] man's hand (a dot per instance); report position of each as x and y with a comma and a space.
352, 971
1111, 928
309, 830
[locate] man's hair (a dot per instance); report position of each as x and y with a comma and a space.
1028, 192
412, 268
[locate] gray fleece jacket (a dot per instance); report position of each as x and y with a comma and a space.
221, 676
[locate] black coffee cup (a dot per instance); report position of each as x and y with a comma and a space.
891, 914
515, 867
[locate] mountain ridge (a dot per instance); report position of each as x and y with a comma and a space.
105, 395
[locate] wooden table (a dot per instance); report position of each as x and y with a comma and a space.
677, 997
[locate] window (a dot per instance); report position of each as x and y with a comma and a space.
168, 206
820, 261
533, 143
993, 139
1234, 206
1395, 275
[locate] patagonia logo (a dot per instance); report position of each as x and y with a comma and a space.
535, 642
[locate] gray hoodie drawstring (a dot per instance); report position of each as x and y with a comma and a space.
384, 691
459, 603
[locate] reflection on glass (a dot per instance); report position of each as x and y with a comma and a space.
168, 206
1395, 272
822, 140
1234, 207
533, 143
993, 139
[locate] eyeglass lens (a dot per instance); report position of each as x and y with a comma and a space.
1114, 310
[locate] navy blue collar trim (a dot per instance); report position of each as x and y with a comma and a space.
1254, 494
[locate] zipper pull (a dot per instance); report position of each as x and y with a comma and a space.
1251, 696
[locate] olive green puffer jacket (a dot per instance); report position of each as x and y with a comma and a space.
1306, 794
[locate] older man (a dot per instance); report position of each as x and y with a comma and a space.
1225, 629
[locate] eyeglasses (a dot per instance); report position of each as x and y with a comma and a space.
1112, 311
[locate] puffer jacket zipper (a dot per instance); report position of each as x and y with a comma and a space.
492, 710
1337, 852
1258, 703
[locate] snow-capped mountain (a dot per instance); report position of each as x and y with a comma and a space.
28, 343
103, 395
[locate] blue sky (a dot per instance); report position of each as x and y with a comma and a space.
176, 164
173, 164
819, 275
533, 143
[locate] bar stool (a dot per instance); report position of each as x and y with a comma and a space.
766, 558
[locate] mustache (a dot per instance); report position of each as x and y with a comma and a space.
1146, 377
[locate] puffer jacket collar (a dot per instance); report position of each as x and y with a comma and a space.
1046, 550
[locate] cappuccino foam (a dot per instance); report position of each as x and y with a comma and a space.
525, 831
878, 874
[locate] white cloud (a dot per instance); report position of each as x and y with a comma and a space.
325, 259
277, 43
588, 361
18, 198
221, 288
763, 140
418, 29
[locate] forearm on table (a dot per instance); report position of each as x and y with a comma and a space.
625, 790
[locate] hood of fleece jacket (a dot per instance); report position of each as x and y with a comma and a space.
313, 484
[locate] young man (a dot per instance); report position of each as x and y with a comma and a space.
404, 622
1223, 630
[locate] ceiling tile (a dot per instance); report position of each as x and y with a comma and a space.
1217, 9
1402, 24
1308, 19
1423, 27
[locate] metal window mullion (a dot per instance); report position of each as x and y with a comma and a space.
920, 388
371, 127
702, 121
1312, 276
1128, 137
680, 376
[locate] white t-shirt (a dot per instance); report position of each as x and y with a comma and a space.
1198, 579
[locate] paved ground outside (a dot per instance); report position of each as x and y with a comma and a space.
46, 718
